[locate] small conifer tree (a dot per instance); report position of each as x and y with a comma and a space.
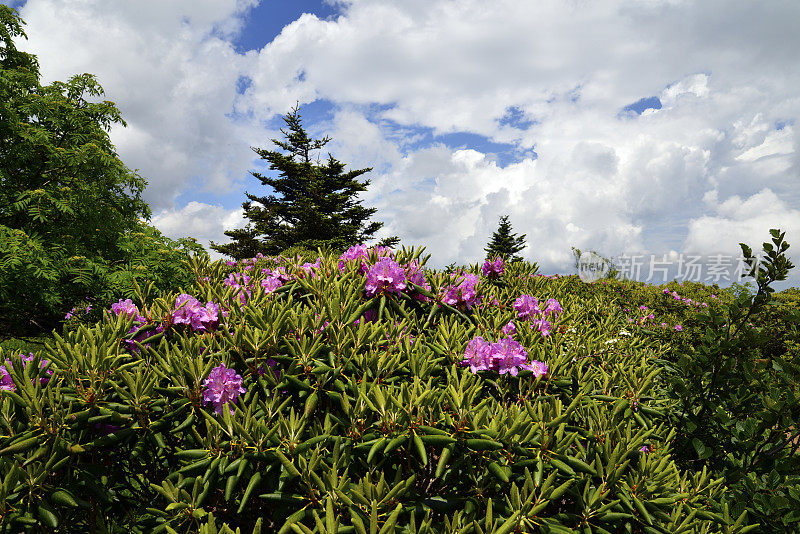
314, 203
504, 244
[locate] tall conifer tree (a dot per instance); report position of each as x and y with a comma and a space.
505, 244
314, 203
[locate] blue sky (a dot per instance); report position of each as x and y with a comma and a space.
266, 20
618, 126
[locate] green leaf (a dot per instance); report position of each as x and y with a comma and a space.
420, 447
251, 486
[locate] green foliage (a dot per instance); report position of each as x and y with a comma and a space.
25, 345
778, 319
737, 400
315, 204
367, 427
69, 208
505, 244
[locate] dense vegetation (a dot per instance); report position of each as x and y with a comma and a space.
357, 392
363, 393
72, 221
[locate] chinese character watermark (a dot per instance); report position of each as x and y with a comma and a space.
655, 268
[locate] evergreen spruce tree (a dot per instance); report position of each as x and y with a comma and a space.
504, 244
314, 204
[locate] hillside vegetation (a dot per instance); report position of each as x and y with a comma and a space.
365, 393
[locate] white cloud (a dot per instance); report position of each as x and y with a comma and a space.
685, 176
173, 74
743, 220
626, 182
205, 222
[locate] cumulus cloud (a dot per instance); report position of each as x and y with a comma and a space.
171, 69
205, 222
715, 154
602, 179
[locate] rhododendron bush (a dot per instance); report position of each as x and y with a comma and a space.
356, 393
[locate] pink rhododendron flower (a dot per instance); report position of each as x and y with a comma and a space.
493, 269
270, 284
382, 252
127, 307
478, 355
463, 294
356, 252
281, 275
386, 276
7, 383
189, 311
678, 327
552, 306
543, 326
186, 306
237, 280
416, 276
222, 385
510, 329
507, 355
241, 282
527, 307
539, 369
310, 269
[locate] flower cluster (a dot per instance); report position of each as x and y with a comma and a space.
128, 308
7, 383
309, 270
189, 311
463, 294
504, 356
386, 276
240, 282
222, 385
493, 269
356, 252
687, 300
416, 276
361, 254
530, 309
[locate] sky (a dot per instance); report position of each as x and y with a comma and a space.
646, 127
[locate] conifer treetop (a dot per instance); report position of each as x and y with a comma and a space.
314, 203
505, 244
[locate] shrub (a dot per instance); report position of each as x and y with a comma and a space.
349, 413
737, 399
